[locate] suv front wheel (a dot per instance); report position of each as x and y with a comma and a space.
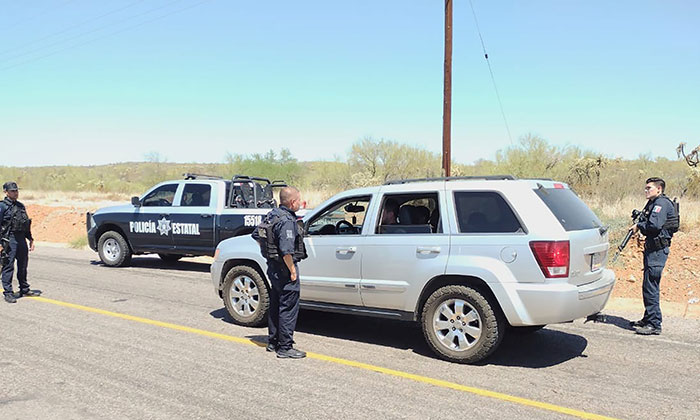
245, 296
460, 324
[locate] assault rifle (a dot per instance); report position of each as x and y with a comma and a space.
637, 216
5, 254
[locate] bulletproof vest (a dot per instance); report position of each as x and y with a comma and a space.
20, 221
265, 236
673, 222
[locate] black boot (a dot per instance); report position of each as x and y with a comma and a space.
648, 330
291, 354
29, 293
10, 298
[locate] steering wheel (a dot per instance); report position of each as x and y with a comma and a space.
339, 225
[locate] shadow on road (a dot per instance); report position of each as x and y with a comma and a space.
540, 349
157, 263
617, 321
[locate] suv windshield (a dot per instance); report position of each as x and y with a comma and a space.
572, 213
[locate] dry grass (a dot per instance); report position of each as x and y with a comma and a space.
73, 198
622, 210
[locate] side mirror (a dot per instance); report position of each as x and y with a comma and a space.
135, 202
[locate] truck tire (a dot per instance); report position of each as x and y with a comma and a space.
170, 258
461, 325
246, 296
114, 250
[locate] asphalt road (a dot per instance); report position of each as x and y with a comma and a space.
63, 362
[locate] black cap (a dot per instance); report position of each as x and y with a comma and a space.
10, 186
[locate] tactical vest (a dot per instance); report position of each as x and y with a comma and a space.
20, 221
673, 222
265, 236
671, 226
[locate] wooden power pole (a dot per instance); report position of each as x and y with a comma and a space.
447, 93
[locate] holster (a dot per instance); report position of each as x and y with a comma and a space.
656, 243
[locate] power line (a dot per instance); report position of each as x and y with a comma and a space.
104, 36
83, 34
77, 25
493, 79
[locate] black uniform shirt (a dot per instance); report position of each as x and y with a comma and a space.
660, 209
285, 230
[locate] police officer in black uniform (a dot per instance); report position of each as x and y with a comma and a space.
15, 230
659, 226
282, 244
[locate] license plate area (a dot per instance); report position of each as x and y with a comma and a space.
597, 260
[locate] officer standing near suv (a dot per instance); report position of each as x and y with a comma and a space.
661, 223
283, 251
15, 229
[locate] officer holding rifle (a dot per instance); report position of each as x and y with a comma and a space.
659, 225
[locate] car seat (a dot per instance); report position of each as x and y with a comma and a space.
406, 215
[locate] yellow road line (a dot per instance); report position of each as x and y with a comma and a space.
337, 360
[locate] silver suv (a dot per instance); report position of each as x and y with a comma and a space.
467, 258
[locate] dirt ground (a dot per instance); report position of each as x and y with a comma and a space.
680, 283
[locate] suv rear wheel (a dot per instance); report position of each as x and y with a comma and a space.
245, 296
113, 249
460, 324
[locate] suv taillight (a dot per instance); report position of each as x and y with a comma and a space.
553, 257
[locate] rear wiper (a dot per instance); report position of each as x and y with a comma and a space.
603, 229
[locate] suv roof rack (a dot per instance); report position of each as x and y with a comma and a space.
189, 175
453, 178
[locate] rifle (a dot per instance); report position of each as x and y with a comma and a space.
637, 216
5, 254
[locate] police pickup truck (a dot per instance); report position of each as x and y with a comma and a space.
181, 218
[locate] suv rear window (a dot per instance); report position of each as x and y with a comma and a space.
567, 207
485, 212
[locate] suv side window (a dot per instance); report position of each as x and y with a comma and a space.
196, 195
485, 212
345, 217
162, 196
409, 214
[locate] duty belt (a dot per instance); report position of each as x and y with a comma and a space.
654, 244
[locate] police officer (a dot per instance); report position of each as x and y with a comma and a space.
15, 229
285, 250
659, 226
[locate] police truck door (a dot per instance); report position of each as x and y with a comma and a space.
150, 228
193, 218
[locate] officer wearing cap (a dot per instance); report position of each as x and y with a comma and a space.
283, 251
15, 230
658, 227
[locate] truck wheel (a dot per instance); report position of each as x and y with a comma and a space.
460, 324
246, 296
170, 258
113, 249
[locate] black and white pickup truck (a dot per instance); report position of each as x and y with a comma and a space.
180, 218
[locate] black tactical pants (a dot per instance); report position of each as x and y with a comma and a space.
18, 252
284, 305
654, 262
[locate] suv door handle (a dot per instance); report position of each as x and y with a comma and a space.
206, 216
346, 251
425, 250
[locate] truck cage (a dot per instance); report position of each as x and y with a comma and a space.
246, 191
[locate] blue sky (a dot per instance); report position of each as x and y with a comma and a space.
88, 82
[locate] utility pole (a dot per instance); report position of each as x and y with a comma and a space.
447, 93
